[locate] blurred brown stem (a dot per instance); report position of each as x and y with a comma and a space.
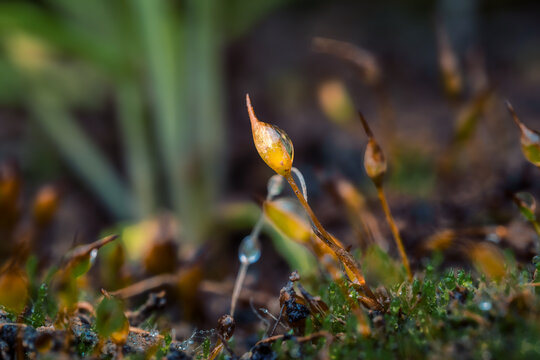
315, 335
146, 285
395, 231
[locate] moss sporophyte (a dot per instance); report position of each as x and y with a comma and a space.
375, 165
273, 144
530, 139
276, 149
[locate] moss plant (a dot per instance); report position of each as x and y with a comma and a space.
276, 149
375, 165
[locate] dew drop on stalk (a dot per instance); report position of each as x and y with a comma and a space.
93, 255
249, 251
493, 237
275, 186
285, 141
485, 306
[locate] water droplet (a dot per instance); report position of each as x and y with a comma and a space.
285, 141
485, 306
493, 237
527, 200
275, 186
250, 250
93, 255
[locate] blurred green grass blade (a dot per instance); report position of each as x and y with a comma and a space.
80, 153
240, 15
12, 89
204, 54
65, 35
161, 49
97, 16
136, 148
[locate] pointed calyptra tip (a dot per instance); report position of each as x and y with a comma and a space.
365, 124
251, 113
513, 114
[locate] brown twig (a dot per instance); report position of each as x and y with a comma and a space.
371, 72
146, 285
299, 339
362, 59
85, 250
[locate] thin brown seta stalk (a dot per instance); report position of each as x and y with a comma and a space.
395, 231
375, 165
345, 257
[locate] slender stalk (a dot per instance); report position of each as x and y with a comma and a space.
238, 285
395, 231
302, 181
253, 236
346, 258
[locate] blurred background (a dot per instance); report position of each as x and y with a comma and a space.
134, 112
